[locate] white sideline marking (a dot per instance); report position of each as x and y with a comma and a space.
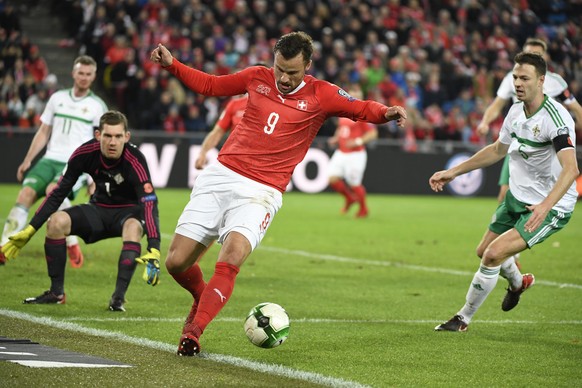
277, 370
342, 259
57, 364
324, 320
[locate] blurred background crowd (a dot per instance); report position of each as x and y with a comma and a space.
441, 59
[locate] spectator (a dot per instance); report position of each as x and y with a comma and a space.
7, 119
173, 121
34, 107
466, 40
194, 122
9, 19
36, 65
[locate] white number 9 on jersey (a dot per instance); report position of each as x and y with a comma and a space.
271, 122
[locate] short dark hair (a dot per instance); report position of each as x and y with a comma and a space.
113, 117
536, 42
85, 60
534, 59
293, 43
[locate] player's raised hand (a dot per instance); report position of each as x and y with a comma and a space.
151, 273
162, 55
15, 242
439, 179
482, 129
397, 113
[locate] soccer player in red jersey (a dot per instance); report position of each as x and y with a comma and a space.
348, 162
236, 199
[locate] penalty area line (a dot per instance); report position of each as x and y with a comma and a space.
352, 260
272, 369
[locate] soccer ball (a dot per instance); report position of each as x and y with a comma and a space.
267, 325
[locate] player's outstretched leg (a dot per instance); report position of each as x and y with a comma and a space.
214, 297
192, 280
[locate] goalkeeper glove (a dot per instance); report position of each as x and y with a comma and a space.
151, 273
12, 248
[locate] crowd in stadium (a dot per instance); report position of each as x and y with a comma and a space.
441, 59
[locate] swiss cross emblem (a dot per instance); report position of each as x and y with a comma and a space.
302, 104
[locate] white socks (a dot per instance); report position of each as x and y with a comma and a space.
481, 286
15, 222
510, 272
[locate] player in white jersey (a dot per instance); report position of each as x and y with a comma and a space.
69, 120
538, 133
554, 86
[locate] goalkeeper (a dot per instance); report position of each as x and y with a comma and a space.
124, 205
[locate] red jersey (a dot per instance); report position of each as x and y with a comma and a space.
233, 113
276, 130
349, 130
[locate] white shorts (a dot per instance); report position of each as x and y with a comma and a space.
348, 165
223, 201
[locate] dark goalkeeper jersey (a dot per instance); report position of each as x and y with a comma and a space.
119, 183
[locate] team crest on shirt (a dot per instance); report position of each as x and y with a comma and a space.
118, 178
147, 188
536, 131
302, 104
262, 89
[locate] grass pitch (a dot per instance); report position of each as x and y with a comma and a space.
363, 296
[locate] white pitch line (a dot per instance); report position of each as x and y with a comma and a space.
272, 369
414, 267
342, 259
323, 320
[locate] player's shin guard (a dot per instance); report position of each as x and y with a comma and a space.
511, 272
216, 294
192, 280
15, 222
481, 286
56, 258
126, 267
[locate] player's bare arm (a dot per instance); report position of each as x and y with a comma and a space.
576, 108
485, 157
210, 141
39, 141
568, 175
